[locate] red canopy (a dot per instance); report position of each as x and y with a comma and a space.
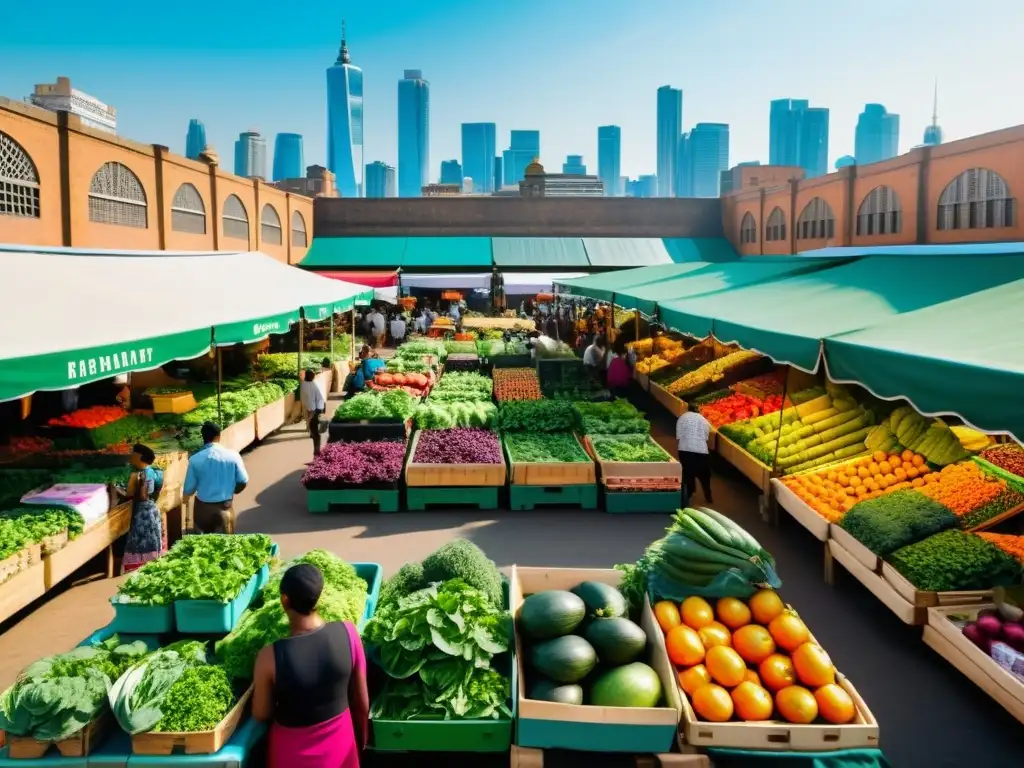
369, 279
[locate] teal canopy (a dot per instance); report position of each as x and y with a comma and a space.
603, 286
964, 356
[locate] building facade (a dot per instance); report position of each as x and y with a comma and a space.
318, 182
287, 156
707, 157
933, 133
413, 133
381, 180
251, 155
451, 172
645, 186
609, 159
877, 136
499, 174
479, 149
670, 128
65, 184
574, 166
538, 183
345, 122
61, 97
798, 135
441, 190
523, 149
684, 169
195, 139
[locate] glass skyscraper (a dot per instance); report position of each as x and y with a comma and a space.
877, 136
451, 172
798, 135
479, 147
345, 122
684, 170
933, 133
707, 156
251, 155
499, 173
380, 180
573, 166
670, 128
195, 140
609, 159
413, 133
523, 148
287, 156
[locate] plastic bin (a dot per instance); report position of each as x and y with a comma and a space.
133, 619
207, 617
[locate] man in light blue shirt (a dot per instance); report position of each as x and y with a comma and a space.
215, 474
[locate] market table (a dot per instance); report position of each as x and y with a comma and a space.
845, 758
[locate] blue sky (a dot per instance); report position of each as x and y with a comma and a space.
561, 66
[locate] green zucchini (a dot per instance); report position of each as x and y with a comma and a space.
720, 533
750, 544
691, 530
683, 549
682, 577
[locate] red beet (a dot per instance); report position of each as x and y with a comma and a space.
1013, 635
973, 633
990, 624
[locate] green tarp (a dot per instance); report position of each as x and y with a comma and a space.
683, 249
539, 252
601, 286
354, 252
964, 356
626, 252
786, 319
459, 252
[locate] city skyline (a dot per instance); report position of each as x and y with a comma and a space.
272, 76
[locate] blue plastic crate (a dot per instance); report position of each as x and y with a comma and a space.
133, 619
208, 617
373, 575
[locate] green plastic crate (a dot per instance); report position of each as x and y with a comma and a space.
319, 502
132, 619
530, 496
641, 502
419, 497
208, 617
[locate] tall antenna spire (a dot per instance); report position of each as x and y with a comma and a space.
935, 104
343, 55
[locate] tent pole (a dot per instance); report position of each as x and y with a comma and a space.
352, 333
298, 359
220, 377
330, 349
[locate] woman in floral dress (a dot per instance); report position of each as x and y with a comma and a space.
147, 539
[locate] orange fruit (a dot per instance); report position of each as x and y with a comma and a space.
879, 456
732, 612
667, 614
777, 672
765, 606
752, 702
797, 705
835, 704
725, 666
788, 631
684, 646
751, 677
753, 643
696, 612
715, 634
813, 665
693, 678
712, 702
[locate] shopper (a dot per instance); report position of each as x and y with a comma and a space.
147, 537
215, 475
594, 356
314, 404
377, 326
397, 329
692, 432
369, 364
311, 686
619, 374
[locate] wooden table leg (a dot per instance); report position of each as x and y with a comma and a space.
110, 561
830, 566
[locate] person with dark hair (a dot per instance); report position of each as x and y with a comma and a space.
147, 537
314, 404
594, 355
368, 366
619, 373
215, 474
325, 364
311, 686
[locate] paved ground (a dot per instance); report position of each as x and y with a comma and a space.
929, 714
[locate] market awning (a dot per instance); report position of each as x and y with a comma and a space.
626, 252
75, 316
533, 282
439, 282
603, 286
384, 279
786, 319
964, 357
683, 249
354, 253
447, 252
539, 252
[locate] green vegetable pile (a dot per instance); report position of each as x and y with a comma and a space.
886, 523
460, 347
199, 699
955, 560
286, 365
458, 559
15, 483
618, 417
133, 428
198, 568
448, 414
406, 365
23, 526
234, 406
536, 416
711, 397
632, 448
394, 404
165, 391
462, 386
417, 349
490, 347
343, 599
526, 447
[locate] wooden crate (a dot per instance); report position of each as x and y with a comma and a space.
270, 418
674, 405
946, 639
907, 612
198, 743
77, 745
668, 469
550, 473
759, 474
21, 589
239, 435
927, 599
178, 402
97, 537
451, 475
800, 510
862, 554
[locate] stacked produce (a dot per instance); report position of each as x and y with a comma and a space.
1008, 457
1008, 543
444, 414
515, 384
764, 386
460, 386
547, 348
464, 347
457, 446
738, 407
617, 417
883, 525
343, 599
572, 634
654, 354
999, 632
420, 348
439, 632
489, 347
956, 560
406, 365
544, 447
972, 494
536, 416
415, 384
751, 660
719, 370
906, 429
88, 418
287, 365
629, 448
343, 465
392, 405
23, 526
101, 427
569, 379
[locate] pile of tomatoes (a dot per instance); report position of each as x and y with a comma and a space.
753, 660
515, 384
89, 418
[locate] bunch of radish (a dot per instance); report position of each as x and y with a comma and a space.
990, 627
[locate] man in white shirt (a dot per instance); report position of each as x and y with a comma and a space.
398, 329
377, 327
692, 433
314, 403
594, 355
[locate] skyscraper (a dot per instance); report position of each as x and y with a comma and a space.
451, 172
798, 135
345, 122
609, 159
287, 156
574, 166
708, 156
195, 139
684, 169
877, 135
251, 155
413, 133
479, 147
499, 172
524, 147
380, 180
933, 133
670, 127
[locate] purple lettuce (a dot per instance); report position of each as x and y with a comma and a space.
457, 446
355, 464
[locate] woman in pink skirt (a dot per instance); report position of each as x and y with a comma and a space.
311, 686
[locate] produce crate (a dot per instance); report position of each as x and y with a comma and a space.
21, 589
373, 575
133, 619
208, 617
178, 402
550, 473
362, 431
855, 549
777, 736
674, 405
549, 725
800, 510
271, 417
419, 498
527, 497
641, 502
906, 611
927, 599
511, 361
97, 537
386, 500
198, 743
452, 475
239, 435
670, 468
759, 474
944, 636
77, 745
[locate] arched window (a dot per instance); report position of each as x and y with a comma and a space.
116, 196
19, 182
299, 230
880, 213
236, 220
188, 214
748, 229
816, 221
270, 226
775, 228
976, 199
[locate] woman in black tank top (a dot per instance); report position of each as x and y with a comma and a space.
312, 684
